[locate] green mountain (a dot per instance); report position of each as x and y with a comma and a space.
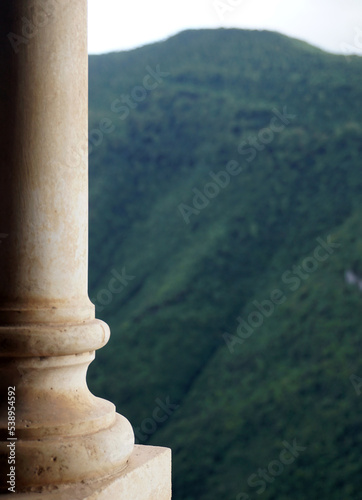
225, 254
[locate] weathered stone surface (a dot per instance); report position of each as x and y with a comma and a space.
147, 477
70, 444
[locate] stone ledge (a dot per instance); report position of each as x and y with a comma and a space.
147, 477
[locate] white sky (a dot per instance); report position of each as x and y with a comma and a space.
334, 25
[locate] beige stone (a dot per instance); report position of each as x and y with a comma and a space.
147, 477
70, 444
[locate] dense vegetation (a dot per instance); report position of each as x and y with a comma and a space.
275, 126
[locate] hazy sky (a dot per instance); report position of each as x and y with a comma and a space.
334, 25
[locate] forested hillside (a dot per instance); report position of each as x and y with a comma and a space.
225, 254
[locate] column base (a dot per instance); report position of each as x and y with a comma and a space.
147, 477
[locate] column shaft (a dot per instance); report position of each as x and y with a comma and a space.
43, 162
48, 333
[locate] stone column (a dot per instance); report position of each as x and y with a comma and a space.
69, 444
